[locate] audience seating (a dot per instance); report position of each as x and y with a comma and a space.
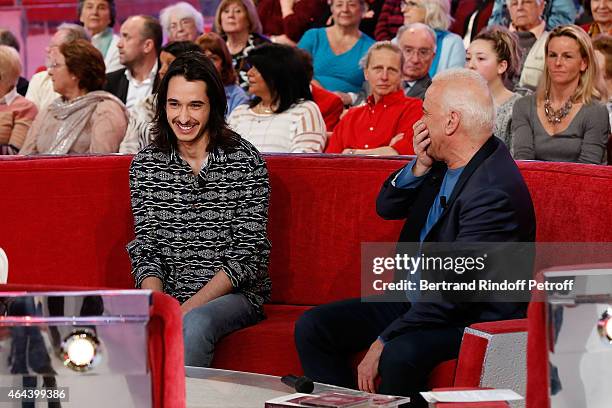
67, 221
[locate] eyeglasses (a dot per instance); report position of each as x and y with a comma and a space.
411, 4
184, 23
421, 53
54, 65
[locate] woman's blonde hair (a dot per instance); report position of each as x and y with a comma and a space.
588, 85
438, 14
251, 10
10, 66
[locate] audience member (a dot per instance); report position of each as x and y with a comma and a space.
214, 47
566, 119
285, 21
84, 119
450, 52
384, 125
603, 54
217, 188
8, 38
237, 22
554, 13
389, 20
526, 16
181, 22
329, 103
16, 112
494, 54
141, 40
98, 18
282, 116
41, 90
139, 131
371, 16
602, 18
336, 50
489, 202
418, 44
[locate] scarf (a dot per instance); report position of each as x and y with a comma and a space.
74, 116
103, 40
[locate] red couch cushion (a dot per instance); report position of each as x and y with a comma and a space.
266, 347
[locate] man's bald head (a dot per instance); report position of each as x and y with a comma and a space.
465, 91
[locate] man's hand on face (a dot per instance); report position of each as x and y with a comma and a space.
421, 142
367, 370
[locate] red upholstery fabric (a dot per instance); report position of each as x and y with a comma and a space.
166, 352
502, 326
471, 357
443, 374
165, 344
266, 347
321, 211
537, 358
67, 221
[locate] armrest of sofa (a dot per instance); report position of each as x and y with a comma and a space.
166, 352
493, 354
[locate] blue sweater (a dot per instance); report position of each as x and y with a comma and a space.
335, 72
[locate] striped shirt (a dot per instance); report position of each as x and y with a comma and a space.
190, 227
299, 129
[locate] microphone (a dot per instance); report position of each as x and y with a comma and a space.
443, 202
301, 384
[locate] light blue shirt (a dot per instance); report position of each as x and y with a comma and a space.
335, 72
235, 96
405, 179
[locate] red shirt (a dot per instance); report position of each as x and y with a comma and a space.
374, 125
330, 105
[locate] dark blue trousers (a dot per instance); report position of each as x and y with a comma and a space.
327, 336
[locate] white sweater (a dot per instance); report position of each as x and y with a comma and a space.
299, 129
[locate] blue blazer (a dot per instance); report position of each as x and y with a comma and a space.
490, 203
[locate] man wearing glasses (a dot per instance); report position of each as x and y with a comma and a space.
418, 44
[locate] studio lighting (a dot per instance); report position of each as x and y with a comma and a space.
80, 350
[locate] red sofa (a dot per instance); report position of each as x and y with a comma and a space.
67, 221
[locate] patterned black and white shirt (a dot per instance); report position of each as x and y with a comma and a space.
189, 227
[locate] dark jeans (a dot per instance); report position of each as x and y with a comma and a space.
328, 335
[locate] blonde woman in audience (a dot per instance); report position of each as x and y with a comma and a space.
450, 52
84, 119
16, 112
237, 22
565, 120
494, 54
181, 22
214, 47
98, 18
337, 50
282, 117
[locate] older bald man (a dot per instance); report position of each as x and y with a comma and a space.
463, 186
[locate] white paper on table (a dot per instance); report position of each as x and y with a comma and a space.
471, 396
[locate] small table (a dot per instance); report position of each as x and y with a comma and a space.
214, 388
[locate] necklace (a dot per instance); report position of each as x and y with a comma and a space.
556, 116
260, 108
